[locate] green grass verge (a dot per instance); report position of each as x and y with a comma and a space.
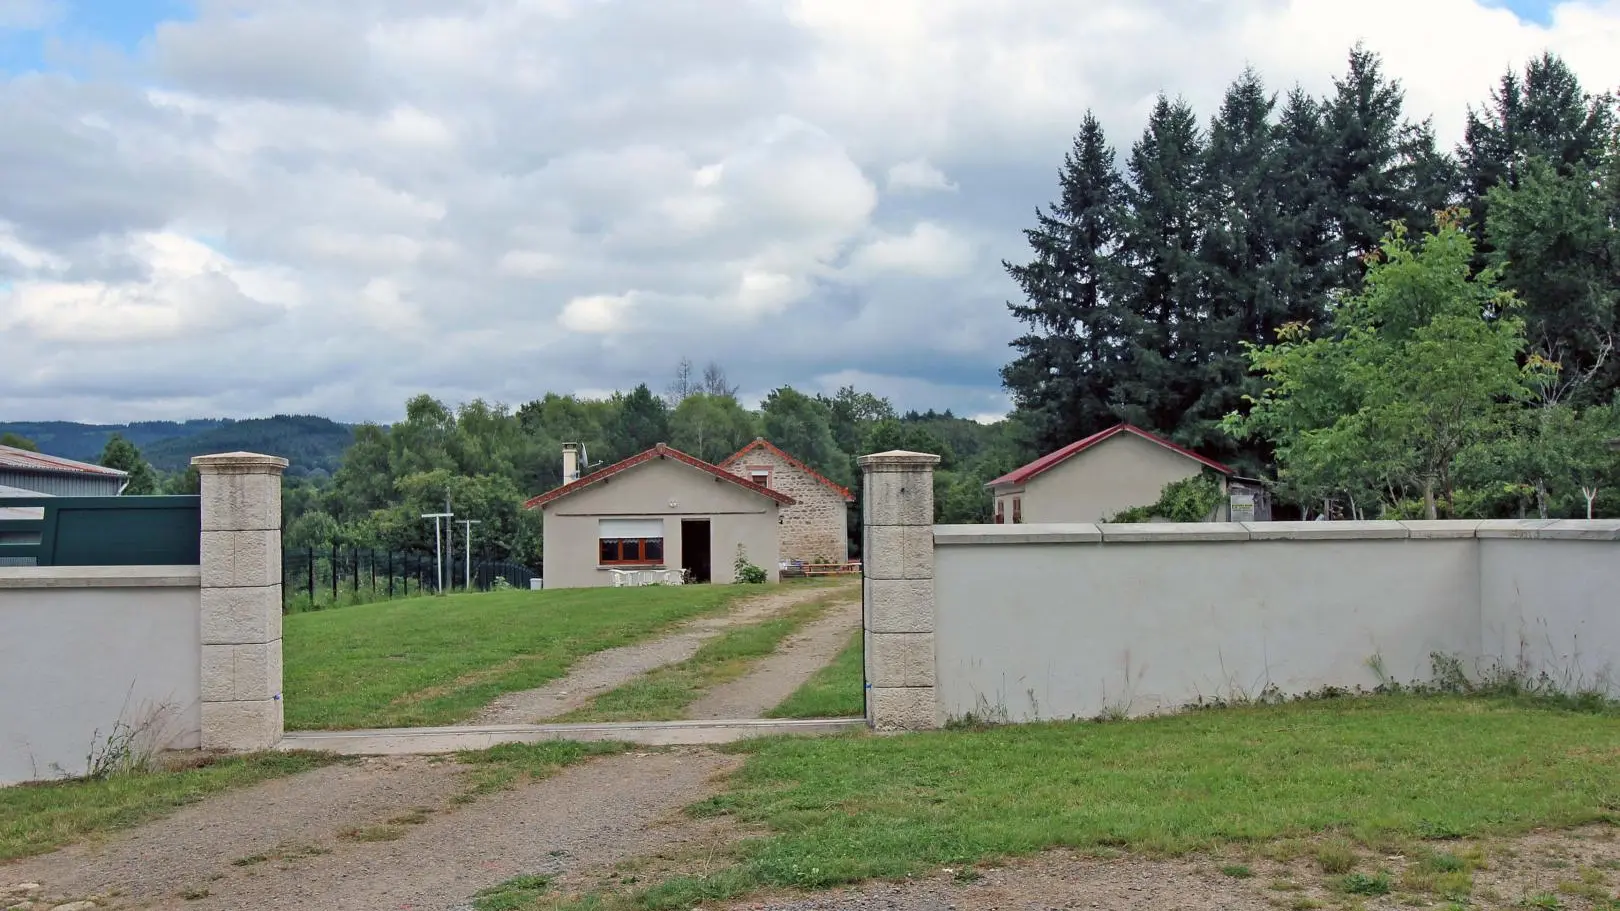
515, 894
844, 809
836, 691
431, 661
40, 817
665, 693
512, 764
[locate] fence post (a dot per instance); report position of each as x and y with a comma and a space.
898, 552
241, 600
310, 553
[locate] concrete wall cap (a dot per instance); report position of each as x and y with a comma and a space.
1441, 528
100, 576
897, 460
1325, 531
1078, 533
1172, 532
240, 463
1581, 530
1511, 528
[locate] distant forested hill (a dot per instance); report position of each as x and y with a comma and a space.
84, 442
313, 444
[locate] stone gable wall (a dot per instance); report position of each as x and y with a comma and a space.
815, 527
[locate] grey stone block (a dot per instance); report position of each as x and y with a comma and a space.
241, 559
234, 616
900, 605
912, 708
241, 726
902, 659
899, 552
241, 502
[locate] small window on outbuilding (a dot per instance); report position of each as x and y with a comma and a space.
1018, 510
760, 476
1001, 515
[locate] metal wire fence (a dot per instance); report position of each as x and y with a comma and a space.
317, 578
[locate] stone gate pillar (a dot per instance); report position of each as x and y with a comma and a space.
241, 600
898, 562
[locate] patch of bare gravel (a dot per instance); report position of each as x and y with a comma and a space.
288, 814
1575, 871
595, 674
775, 677
587, 815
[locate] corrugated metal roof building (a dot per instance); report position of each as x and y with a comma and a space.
58, 477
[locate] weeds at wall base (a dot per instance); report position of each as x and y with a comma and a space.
1448, 677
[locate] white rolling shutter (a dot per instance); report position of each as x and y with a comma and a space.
630, 528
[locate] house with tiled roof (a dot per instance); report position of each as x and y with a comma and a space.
815, 529
1100, 476
660, 510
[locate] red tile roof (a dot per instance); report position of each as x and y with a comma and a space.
768, 446
24, 460
660, 451
1053, 459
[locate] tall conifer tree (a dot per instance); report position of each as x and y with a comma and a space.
1073, 348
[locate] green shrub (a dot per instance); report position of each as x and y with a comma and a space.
746, 572
1187, 500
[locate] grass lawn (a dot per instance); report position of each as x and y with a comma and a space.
437, 660
836, 691
36, 818
665, 693
1383, 771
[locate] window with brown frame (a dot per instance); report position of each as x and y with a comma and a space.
760, 476
616, 551
1001, 515
1018, 510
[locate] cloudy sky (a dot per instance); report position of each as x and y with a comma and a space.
239, 207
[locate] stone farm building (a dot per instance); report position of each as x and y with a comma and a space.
815, 529
659, 510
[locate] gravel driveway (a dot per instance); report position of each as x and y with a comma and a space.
281, 845
595, 674
792, 665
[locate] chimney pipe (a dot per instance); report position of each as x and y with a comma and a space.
570, 462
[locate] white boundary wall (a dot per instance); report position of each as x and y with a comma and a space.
188, 655
85, 647
1027, 622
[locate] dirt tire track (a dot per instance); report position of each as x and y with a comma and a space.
183, 849
589, 814
595, 674
778, 675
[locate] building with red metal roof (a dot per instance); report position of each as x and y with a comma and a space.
1100, 476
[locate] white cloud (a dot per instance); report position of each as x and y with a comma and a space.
928, 250
597, 314
190, 289
918, 174
529, 263
362, 201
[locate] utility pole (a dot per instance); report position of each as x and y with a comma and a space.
468, 524
438, 543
